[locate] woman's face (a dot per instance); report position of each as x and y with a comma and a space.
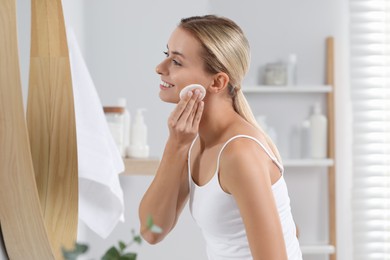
182, 66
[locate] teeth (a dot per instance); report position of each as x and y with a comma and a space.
166, 84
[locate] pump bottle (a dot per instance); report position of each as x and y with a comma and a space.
318, 133
139, 133
126, 126
292, 70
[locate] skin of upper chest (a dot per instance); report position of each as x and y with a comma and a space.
204, 163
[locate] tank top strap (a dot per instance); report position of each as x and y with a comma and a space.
273, 158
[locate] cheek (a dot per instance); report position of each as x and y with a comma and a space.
196, 78
204, 78
190, 75
170, 96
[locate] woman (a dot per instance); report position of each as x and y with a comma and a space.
216, 156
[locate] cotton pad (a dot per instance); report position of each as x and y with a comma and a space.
191, 87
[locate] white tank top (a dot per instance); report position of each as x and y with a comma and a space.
218, 216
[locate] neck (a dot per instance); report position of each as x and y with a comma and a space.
217, 117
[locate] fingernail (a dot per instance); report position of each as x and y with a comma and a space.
189, 93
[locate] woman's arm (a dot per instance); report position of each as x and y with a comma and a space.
168, 192
245, 173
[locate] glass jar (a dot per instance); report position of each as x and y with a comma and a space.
275, 74
116, 122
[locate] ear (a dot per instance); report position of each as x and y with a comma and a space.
219, 83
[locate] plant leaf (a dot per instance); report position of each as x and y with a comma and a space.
72, 254
111, 254
129, 256
122, 245
155, 229
151, 226
137, 239
149, 222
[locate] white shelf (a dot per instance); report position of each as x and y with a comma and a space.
308, 162
317, 249
287, 89
140, 166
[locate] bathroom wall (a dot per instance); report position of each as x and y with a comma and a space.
183, 243
103, 28
123, 41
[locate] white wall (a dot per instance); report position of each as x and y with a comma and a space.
184, 242
123, 41
123, 44
344, 119
276, 28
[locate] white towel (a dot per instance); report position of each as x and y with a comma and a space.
101, 204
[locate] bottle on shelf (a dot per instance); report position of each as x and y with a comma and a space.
139, 134
292, 70
126, 126
318, 132
269, 130
295, 142
306, 139
115, 120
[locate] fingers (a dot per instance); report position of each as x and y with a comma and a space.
198, 114
185, 108
181, 106
194, 109
186, 116
190, 107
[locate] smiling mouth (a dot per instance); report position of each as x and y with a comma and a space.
166, 85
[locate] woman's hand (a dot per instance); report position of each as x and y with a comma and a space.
184, 120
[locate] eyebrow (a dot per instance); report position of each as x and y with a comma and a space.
176, 53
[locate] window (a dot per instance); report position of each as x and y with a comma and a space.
370, 90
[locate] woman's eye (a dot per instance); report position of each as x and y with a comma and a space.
176, 62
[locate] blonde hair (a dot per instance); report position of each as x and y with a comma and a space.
226, 49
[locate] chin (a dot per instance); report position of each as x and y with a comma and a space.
169, 99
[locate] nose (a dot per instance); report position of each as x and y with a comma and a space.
160, 68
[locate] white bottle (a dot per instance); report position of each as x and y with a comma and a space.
115, 122
269, 130
305, 139
295, 142
318, 132
292, 70
139, 133
126, 126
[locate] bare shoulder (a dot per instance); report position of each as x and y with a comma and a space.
244, 161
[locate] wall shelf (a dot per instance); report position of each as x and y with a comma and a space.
317, 249
140, 166
296, 99
288, 89
308, 162
149, 166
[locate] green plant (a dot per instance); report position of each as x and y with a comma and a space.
118, 252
